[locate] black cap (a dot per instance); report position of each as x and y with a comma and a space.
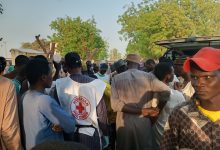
72, 59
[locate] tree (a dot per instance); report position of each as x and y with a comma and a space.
74, 34
152, 20
114, 54
34, 45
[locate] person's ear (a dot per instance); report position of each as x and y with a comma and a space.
167, 78
15, 67
44, 78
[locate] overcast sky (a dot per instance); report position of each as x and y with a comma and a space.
23, 19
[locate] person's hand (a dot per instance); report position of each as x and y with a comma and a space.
178, 86
154, 112
37, 36
154, 115
57, 66
57, 128
150, 112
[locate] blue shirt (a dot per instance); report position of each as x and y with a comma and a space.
17, 85
40, 112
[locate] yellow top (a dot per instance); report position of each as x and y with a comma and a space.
107, 94
107, 90
212, 115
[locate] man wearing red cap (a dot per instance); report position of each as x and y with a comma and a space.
196, 124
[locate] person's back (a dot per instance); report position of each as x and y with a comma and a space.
176, 98
9, 123
135, 87
130, 77
82, 97
131, 97
129, 88
40, 114
58, 145
165, 73
34, 119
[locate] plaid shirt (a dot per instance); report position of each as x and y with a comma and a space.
189, 129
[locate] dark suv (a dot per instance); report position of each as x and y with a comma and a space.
187, 46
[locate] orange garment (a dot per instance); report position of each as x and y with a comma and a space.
9, 122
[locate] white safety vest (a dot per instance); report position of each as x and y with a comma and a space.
80, 100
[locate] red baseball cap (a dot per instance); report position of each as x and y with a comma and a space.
207, 58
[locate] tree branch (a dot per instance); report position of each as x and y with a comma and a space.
41, 45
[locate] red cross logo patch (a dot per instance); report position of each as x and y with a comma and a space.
80, 107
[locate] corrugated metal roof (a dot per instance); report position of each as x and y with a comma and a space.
23, 50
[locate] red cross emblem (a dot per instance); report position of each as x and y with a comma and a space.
80, 108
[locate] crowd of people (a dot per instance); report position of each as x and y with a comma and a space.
167, 105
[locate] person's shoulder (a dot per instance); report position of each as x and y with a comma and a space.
151, 75
120, 75
46, 102
184, 108
44, 99
87, 78
67, 145
5, 82
141, 71
148, 75
177, 95
138, 72
96, 74
62, 79
93, 76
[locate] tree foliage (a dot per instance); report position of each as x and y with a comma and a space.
74, 34
34, 45
151, 20
114, 54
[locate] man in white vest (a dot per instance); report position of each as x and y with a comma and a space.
81, 96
